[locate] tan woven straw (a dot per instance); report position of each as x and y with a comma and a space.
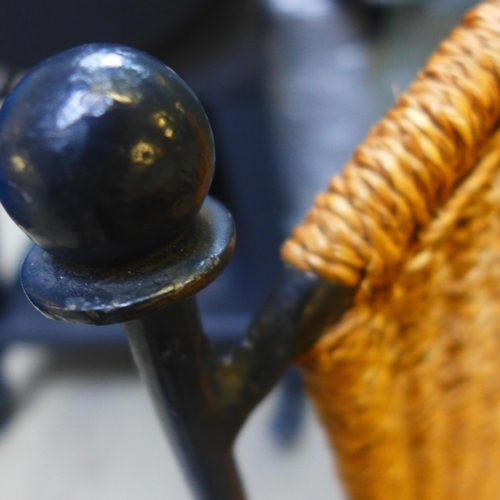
408, 384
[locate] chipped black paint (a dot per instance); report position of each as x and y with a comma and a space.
72, 292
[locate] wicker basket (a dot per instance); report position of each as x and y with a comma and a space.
408, 384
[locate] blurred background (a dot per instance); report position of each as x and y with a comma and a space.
290, 87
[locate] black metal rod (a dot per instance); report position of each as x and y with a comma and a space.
176, 362
203, 400
290, 322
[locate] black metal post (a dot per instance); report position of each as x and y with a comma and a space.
203, 400
175, 360
105, 160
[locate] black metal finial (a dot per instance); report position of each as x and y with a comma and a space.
106, 157
105, 154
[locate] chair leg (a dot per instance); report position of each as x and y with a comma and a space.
5, 396
289, 416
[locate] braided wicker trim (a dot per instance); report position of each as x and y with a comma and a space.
409, 163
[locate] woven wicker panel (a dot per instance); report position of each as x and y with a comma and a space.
408, 384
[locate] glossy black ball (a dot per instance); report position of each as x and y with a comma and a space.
105, 154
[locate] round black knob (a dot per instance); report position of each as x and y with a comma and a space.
105, 154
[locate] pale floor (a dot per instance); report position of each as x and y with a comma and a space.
85, 429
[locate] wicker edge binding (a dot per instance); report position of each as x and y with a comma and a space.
359, 229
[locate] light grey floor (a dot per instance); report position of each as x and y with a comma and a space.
85, 429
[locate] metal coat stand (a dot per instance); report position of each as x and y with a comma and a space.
106, 172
